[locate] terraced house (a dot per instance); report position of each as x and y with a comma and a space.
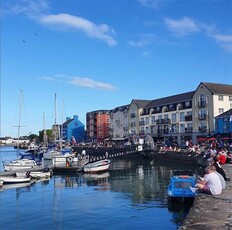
186, 116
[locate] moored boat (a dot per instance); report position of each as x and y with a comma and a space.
98, 166
19, 164
180, 184
11, 180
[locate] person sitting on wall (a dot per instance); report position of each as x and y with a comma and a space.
219, 168
222, 157
211, 183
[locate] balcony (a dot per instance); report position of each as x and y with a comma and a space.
132, 115
189, 130
142, 123
202, 116
201, 104
163, 121
159, 131
202, 129
188, 118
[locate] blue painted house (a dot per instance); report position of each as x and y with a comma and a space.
72, 127
223, 123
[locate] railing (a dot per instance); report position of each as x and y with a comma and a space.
201, 104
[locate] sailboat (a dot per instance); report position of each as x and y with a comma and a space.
51, 153
19, 163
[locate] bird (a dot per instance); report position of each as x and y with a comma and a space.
24, 41
36, 34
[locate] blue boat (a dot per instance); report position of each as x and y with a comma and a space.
179, 186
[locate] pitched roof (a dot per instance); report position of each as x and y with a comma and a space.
141, 103
67, 122
225, 114
217, 88
119, 108
171, 99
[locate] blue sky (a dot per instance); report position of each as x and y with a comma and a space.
100, 54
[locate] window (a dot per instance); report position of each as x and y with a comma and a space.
202, 97
147, 130
187, 104
182, 118
221, 110
182, 128
220, 97
230, 98
153, 120
173, 117
147, 121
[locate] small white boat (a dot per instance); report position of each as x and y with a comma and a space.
11, 180
19, 164
97, 166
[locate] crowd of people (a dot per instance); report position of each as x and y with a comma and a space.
214, 180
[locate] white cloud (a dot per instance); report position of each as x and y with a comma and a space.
36, 10
47, 78
31, 8
225, 41
182, 27
143, 40
102, 31
89, 83
79, 81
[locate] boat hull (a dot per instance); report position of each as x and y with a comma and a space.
12, 180
96, 167
19, 164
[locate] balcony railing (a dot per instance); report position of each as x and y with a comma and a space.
201, 104
202, 128
202, 116
188, 118
163, 121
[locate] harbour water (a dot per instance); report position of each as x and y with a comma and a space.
132, 195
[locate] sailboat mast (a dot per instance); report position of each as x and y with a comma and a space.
20, 111
45, 132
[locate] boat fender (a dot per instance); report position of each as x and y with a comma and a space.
69, 159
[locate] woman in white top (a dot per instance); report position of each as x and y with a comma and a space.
211, 183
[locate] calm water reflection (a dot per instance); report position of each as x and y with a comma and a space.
131, 195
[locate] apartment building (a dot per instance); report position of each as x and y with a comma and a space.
168, 117
135, 110
188, 115
97, 125
181, 117
209, 101
119, 123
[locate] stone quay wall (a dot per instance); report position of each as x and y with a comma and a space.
212, 212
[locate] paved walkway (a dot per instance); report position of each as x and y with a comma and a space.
212, 212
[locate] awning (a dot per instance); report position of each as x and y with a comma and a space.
202, 139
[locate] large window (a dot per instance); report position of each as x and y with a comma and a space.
173, 117
147, 121
182, 128
220, 97
153, 120
182, 118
